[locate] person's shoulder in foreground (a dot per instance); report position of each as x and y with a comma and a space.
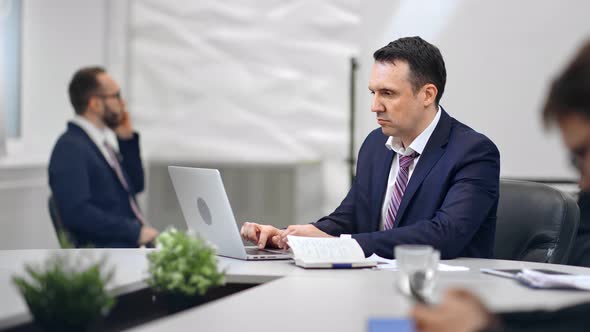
568, 104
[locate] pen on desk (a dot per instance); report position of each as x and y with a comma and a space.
341, 266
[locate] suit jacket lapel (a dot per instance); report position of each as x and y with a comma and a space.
432, 152
80, 132
380, 186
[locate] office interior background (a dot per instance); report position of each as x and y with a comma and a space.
264, 90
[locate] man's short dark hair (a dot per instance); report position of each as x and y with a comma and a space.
570, 91
83, 85
424, 59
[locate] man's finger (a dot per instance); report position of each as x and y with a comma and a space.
276, 240
262, 239
281, 243
242, 232
251, 232
291, 230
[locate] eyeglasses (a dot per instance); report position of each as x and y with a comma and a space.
113, 95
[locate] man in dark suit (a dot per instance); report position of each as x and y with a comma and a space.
422, 178
568, 105
95, 169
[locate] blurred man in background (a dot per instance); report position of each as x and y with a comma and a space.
95, 170
568, 105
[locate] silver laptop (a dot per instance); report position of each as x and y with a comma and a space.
207, 211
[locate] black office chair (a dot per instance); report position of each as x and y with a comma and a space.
536, 223
65, 238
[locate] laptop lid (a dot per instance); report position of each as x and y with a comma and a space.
206, 208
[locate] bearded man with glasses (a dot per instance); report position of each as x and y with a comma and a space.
95, 171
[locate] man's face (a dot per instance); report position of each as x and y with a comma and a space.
112, 103
400, 112
575, 131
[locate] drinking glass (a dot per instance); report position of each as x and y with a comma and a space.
417, 264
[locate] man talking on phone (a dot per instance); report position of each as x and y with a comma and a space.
95, 171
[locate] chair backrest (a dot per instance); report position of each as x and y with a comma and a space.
535, 223
64, 237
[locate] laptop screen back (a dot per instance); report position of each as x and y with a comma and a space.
206, 208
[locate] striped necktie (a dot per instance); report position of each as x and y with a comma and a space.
114, 161
401, 181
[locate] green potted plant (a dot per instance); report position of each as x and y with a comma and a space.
66, 295
182, 269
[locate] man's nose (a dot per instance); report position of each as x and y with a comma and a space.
376, 105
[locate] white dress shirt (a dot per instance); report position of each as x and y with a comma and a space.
98, 135
395, 144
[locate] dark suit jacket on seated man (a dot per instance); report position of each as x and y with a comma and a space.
93, 185
423, 178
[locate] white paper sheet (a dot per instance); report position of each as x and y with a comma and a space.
391, 265
538, 279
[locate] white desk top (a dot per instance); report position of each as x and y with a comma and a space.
340, 300
343, 300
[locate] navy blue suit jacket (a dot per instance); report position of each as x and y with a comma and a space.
93, 204
450, 201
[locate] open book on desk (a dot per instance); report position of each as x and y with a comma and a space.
330, 253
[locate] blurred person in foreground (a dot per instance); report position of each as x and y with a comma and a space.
568, 106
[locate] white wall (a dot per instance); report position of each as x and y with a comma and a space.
59, 36
500, 56
24, 216
2, 59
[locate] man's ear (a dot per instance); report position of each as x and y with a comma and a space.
430, 93
93, 103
